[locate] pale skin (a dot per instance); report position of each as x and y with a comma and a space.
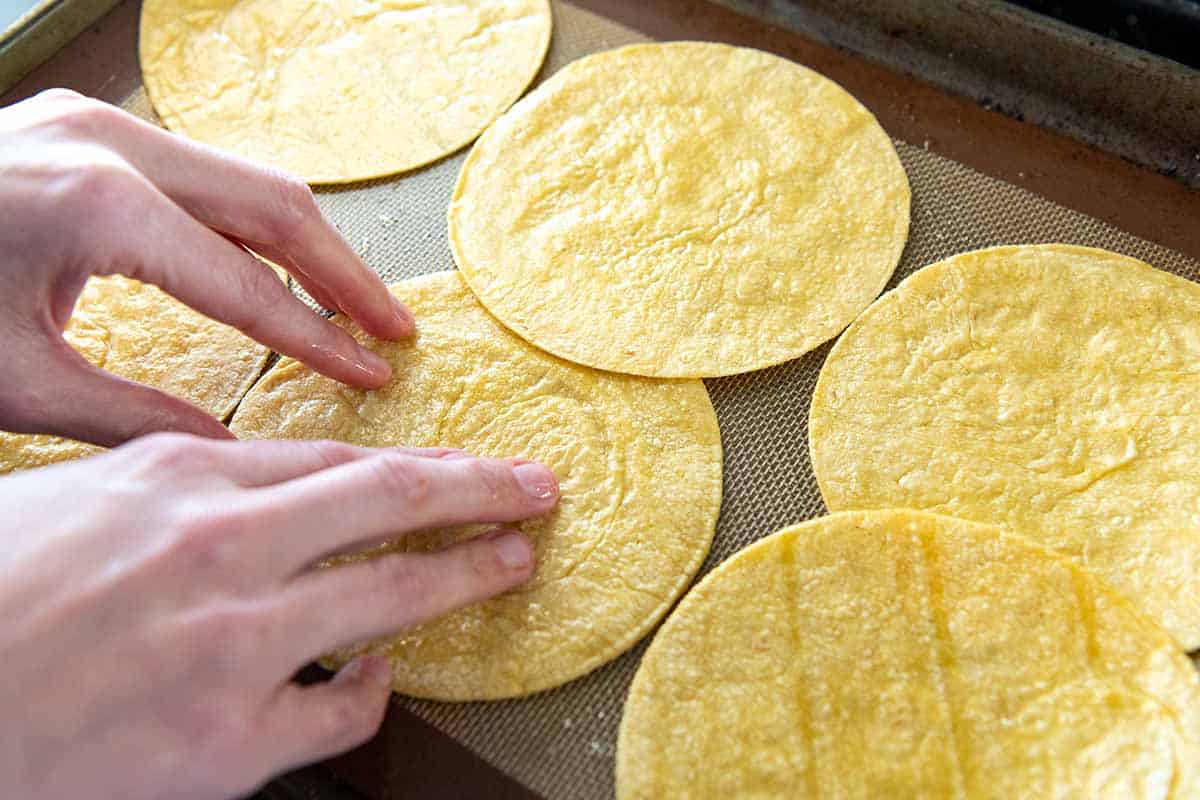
156, 600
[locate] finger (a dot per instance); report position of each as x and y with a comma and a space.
273, 212
317, 292
255, 463
310, 723
345, 299
372, 499
347, 605
73, 398
209, 273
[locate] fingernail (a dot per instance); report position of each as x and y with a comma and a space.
376, 669
536, 480
403, 315
375, 364
513, 549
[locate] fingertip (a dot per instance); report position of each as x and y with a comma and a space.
375, 368
219, 431
183, 417
536, 480
405, 322
368, 669
375, 682
392, 322
377, 670
354, 702
513, 550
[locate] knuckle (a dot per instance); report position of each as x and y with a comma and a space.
231, 630
349, 722
263, 292
400, 584
483, 564
84, 116
260, 282
405, 479
268, 304
167, 455
295, 211
58, 95
492, 481
101, 188
209, 540
329, 453
401, 575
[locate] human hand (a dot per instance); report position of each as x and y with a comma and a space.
86, 189
157, 599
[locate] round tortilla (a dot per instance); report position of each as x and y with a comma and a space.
339, 91
1052, 390
902, 654
639, 468
140, 333
680, 210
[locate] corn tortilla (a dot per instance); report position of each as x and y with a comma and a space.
680, 210
140, 333
1052, 390
339, 90
639, 468
896, 653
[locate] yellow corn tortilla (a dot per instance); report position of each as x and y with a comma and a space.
1052, 390
139, 332
340, 90
639, 468
900, 654
680, 210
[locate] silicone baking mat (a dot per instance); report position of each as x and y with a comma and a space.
561, 743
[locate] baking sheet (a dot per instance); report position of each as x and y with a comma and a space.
38, 33
561, 743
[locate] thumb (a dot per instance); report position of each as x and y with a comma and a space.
67, 396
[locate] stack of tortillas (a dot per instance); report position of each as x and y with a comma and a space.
661, 213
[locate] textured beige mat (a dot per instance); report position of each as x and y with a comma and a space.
561, 743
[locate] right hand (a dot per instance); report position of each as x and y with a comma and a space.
158, 598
